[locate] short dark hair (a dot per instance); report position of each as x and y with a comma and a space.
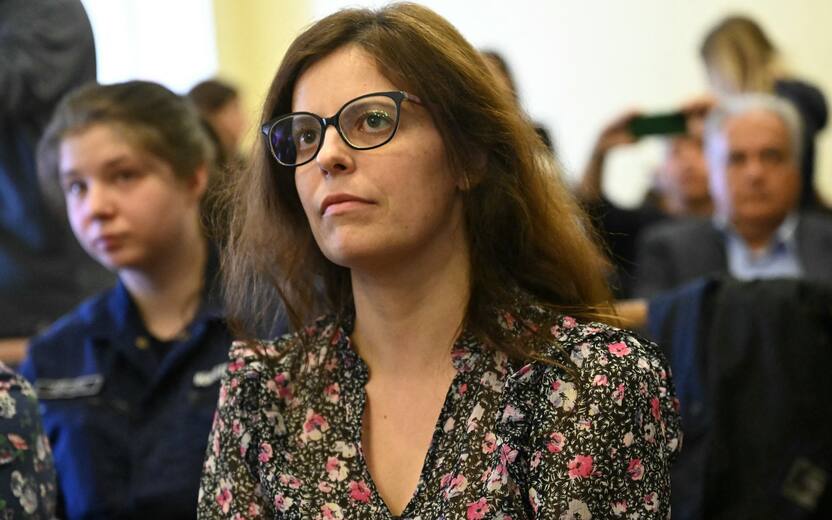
211, 95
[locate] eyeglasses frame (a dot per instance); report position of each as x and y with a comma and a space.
398, 96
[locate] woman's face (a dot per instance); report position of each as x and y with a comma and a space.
126, 207
371, 209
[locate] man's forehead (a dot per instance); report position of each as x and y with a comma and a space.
756, 123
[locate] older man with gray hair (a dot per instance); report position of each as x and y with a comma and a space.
753, 147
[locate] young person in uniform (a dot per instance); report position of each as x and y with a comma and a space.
128, 381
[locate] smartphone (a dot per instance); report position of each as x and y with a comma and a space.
659, 124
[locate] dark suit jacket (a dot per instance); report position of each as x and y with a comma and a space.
672, 253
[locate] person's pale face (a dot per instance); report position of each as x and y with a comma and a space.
375, 209
125, 206
230, 124
761, 177
684, 174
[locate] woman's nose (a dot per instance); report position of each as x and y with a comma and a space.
335, 156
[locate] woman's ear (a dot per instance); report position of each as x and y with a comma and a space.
473, 174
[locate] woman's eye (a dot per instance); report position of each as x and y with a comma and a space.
306, 138
375, 121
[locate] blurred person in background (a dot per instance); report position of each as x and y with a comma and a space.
680, 188
502, 72
753, 146
740, 58
46, 49
219, 105
129, 380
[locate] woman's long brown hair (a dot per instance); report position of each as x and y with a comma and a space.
525, 229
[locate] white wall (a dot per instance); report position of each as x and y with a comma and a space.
170, 42
579, 63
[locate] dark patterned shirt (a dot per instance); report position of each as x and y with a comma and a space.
27, 476
513, 440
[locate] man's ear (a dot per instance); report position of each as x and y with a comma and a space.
198, 183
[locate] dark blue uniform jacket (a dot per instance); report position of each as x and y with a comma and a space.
128, 417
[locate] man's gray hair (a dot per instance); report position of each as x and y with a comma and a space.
744, 103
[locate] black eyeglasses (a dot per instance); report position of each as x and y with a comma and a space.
366, 122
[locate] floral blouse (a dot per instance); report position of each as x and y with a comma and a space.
27, 476
513, 440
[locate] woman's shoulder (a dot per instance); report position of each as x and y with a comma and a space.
593, 353
598, 372
288, 354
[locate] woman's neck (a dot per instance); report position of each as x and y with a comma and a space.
408, 318
168, 293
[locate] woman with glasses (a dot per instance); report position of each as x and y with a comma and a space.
458, 369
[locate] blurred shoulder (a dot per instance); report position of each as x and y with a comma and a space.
680, 229
83, 321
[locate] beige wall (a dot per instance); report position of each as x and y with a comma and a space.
580, 63
252, 36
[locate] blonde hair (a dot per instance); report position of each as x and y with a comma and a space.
739, 51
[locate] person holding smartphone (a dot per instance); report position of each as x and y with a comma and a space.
680, 185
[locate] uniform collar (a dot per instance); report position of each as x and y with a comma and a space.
123, 319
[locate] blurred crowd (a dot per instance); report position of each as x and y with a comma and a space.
125, 347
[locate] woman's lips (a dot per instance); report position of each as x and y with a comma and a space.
341, 203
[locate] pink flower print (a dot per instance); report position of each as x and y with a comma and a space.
569, 322
324, 487
336, 469
313, 427
600, 380
265, 452
635, 469
331, 364
580, 466
331, 511
253, 510
655, 408
511, 414
536, 458
281, 386
332, 392
651, 501
236, 365
534, 499
619, 507
224, 497
462, 389
507, 455
619, 349
453, 485
290, 481
282, 503
237, 427
563, 395
489, 443
359, 491
477, 510
618, 394
17, 441
555, 445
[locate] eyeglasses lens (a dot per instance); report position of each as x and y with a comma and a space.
365, 123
